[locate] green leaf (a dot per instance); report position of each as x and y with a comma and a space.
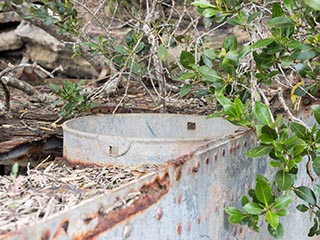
268, 132
316, 112
316, 165
282, 212
49, 21
209, 74
281, 22
135, 67
289, 5
273, 219
230, 43
207, 61
244, 51
162, 53
315, 4
55, 88
314, 228
300, 130
277, 10
316, 188
209, 53
140, 47
236, 216
209, 12
276, 233
305, 52
277, 121
15, 169
186, 88
187, 75
259, 151
121, 49
286, 61
306, 194
231, 58
274, 164
282, 202
302, 208
187, 59
253, 208
244, 200
284, 180
294, 44
253, 16
292, 142
263, 191
202, 4
262, 113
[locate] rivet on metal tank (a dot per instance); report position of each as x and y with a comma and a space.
198, 219
179, 228
127, 231
159, 214
207, 160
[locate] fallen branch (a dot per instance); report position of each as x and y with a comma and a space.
6, 81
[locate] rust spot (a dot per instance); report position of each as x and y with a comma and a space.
245, 143
198, 219
216, 209
240, 230
45, 235
196, 168
79, 163
151, 193
189, 227
232, 197
179, 198
65, 225
180, 160
231, 149
89, 218
216, 157
62, 229
223, 152
127, 231
159, 214
179, 228
178, 173
207, 160
235, 232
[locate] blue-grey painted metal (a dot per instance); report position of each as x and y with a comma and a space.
184, 199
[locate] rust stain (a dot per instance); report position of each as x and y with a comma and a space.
62, 229
177, 163
177, 173
79, 163
180, 160
45, 235
150, 194
189, 227
179, 198
198, 219
207, 160
159, 214
196, 168
179, 228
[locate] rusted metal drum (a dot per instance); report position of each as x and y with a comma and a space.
134, 139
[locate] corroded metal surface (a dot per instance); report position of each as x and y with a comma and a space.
184, 199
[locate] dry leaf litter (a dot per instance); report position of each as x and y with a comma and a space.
29, 198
